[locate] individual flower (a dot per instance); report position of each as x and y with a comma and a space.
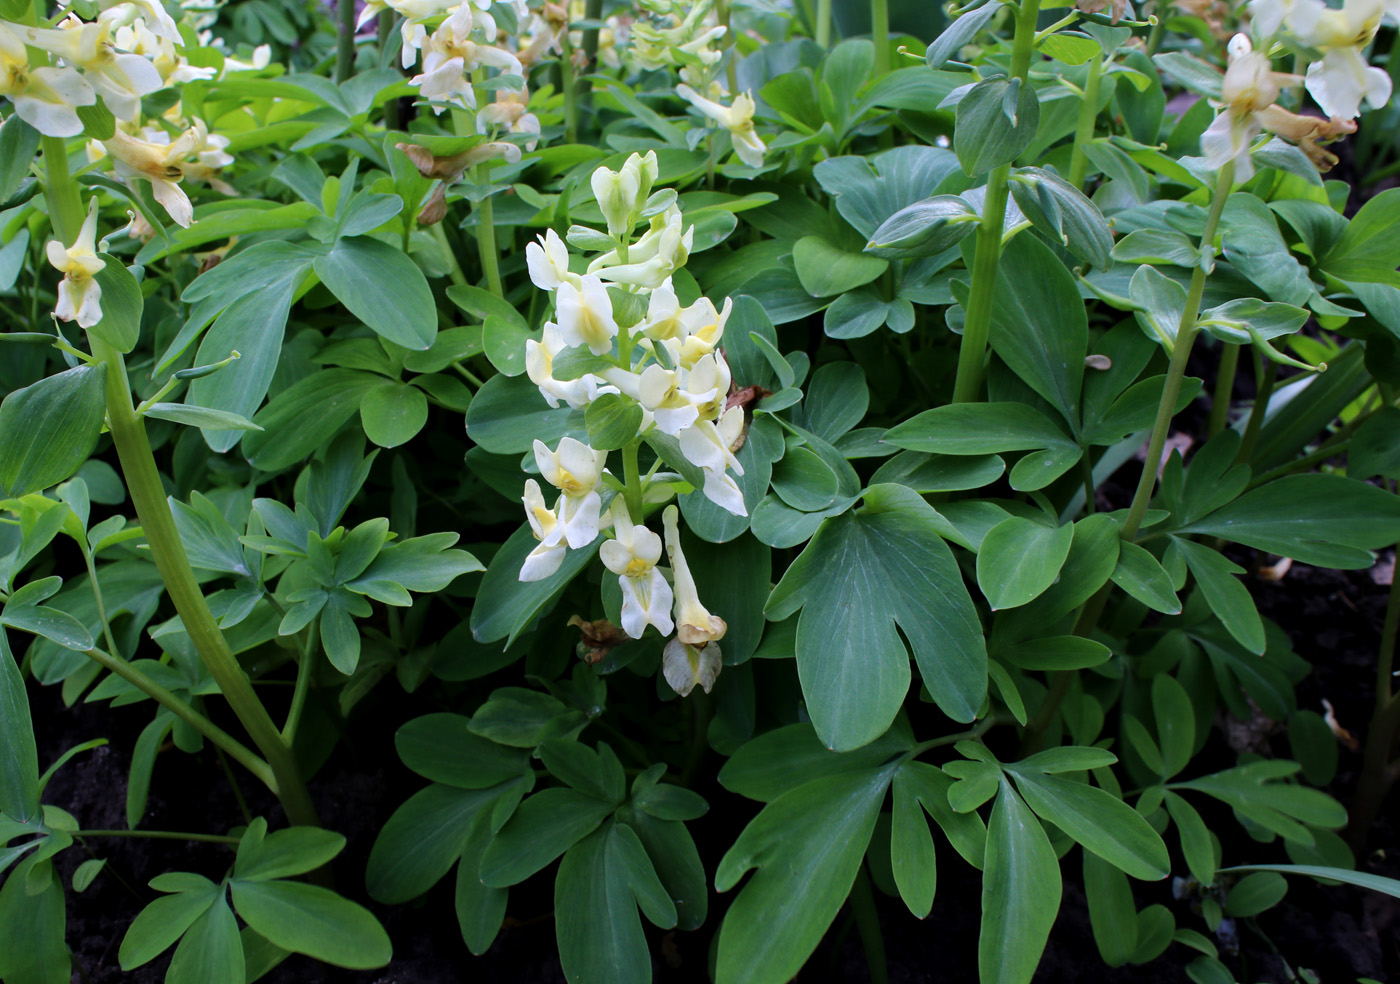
510, 110
695, 626
708, 445
45, 98
449, 58
545, 559
585, 315
548, 262
684, 666
1250, 86
120, 79
79, 294
632, 556
539, 366
152, 12
736, 118
653, 258
1343, 79
162, 164
622, 193
704, 329
576, 470
662, 393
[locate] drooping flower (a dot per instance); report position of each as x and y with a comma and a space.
539, 366
1343, 79
684, 666
736, 118
1250, 86
511, 110
46, 98
632, 556
708, 445
695, 626
162, 164
79, 295
548, 262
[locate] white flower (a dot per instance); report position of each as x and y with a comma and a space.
704, 329
695, 626
449, 58
652, 259
632, 556
509, 110
737, 119
1249, 87
79, 295
684, 666
160, 23
622, 193
545, 559
120, 79
539, 366
45, 98
548, 261
585, 315
707, 445
576, 470
162, 164
1343, 79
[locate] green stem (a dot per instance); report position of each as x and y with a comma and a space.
880, 34
173, 835
1154, 36
731, 76
1181, 352
971, 734
233, 785
868, 926
61, 191
305, 670
1084, 131
978, 322
632, 476
345, 43
112, 646
236, 749
148, 496
1260, 410
570, 86
1376, 772
824, 23
486, 235
1224, 389
593, 11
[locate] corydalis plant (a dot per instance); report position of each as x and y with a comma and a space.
645, 368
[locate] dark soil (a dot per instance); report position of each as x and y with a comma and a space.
1334, 618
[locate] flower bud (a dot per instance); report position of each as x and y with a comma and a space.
924, 228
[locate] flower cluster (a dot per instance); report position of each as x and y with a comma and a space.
622, 320
1338, 78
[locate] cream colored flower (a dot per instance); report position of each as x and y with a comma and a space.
585, 315
162, 164
695, 626
79, 296
736, 118
121, 79
46, 98
632, 556
684, 666
545, 559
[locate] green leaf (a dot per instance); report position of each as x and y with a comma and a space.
895, 569
51, 623
1196, 845
1020, 558
421, 841
612, 420
1200, 77
1020, 892
1141, 575
19, 766
544, 827
122, 302
503, 340
1064, 213
807, 846
441, 747
48, 429
1099, 821
1367, 250
868, 190
164, 921
32, 914
210, 951
1161, 302
825, 269
672, 851
383, 288
1227, 597
1324, 520
393, 413
480, 910
978, 428
508, 414
923, 229
911, 848
986, 135
783, 759
1361, 879
1112, 913
18, 143
601, 882
202, 417
305, 416
1255, 893
1375, 447
315, 921
505, 605
959, 33
1176, 723
283, 853
1070, 47
1056, 653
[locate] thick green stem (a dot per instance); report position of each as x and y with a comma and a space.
824, 23
345, 43
148, 496
977, 324
486, 235
61, 191
880, 34
570, 87
1181, 352
1084, 130
593, 11
236, 749
1224, 389
1377, 773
